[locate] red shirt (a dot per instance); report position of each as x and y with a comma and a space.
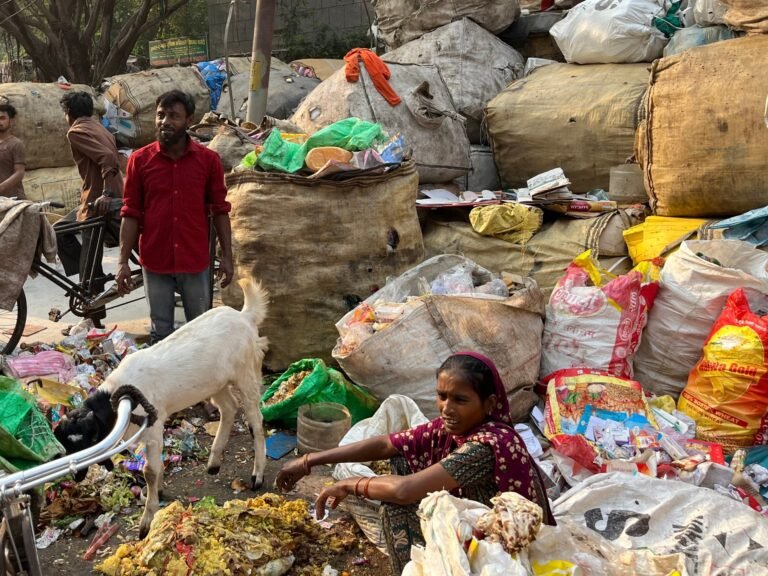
172, 199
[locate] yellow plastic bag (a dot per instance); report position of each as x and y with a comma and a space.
516, 223
727, 391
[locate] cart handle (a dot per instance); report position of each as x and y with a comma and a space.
18, 482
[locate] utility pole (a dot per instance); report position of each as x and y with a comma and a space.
261, 56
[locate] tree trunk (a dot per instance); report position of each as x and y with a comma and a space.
83, 40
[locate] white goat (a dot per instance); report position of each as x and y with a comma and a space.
209, 357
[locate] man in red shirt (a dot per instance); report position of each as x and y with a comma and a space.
171, 187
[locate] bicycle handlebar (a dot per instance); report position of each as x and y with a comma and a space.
112, 444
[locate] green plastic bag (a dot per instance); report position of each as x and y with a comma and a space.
24, 432
323, 384
351, 134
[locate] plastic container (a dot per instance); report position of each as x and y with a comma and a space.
626, 185
321, 426
317, 157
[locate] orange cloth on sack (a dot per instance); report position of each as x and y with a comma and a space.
377, 70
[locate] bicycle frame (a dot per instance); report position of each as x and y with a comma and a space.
81, 298
12, 487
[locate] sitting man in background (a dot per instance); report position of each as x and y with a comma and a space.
97, 159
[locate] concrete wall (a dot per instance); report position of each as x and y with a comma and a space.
340, 16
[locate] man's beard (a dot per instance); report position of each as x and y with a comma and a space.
170, 139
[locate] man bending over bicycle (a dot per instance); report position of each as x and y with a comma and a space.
96, 156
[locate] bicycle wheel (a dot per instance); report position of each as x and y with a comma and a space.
12, 324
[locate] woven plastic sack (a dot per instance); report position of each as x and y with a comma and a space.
323, 384
24, 432
695, 284
727, 391
595, 320
350, 134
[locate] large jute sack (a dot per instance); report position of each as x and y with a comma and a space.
426, 117
545, 256
703, 149
40, 122
241, 64
134, 96
319, 247
400, 21
691, 296
403, 358
748, 15
62, 184
473, 62
231, 146
580, 118
286, 90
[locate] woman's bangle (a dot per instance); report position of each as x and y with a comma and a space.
307, 467
356, 486
365, 488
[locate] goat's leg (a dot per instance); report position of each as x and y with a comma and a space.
153, 474
253, 413
227, 406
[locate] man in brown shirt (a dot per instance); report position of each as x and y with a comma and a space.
96, 156
11, 156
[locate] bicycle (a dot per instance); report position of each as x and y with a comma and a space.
83, 298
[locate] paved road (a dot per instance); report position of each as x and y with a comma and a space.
42, 295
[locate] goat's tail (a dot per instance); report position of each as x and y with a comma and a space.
256, 300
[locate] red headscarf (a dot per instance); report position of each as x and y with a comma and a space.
515, 469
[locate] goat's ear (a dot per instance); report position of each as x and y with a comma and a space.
101, 406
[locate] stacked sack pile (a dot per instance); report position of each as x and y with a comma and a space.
652, 350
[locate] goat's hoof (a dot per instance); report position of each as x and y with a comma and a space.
256, 482
143, 531
213, 470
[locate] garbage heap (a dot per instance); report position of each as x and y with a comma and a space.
581, 196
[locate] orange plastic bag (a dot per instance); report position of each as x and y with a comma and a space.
727, 391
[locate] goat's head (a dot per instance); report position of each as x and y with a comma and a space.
86, 426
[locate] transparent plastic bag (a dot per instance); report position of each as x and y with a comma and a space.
457, 280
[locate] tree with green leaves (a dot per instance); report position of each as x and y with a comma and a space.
83, 40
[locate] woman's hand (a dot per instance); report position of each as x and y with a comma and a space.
335, 494
291, 472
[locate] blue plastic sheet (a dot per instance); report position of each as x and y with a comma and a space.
750, 227
214, 79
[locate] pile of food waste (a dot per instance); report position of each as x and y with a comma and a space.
264, 536
287, 387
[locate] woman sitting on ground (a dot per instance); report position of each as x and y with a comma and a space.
471, 450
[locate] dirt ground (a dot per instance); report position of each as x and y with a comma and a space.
64, 557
